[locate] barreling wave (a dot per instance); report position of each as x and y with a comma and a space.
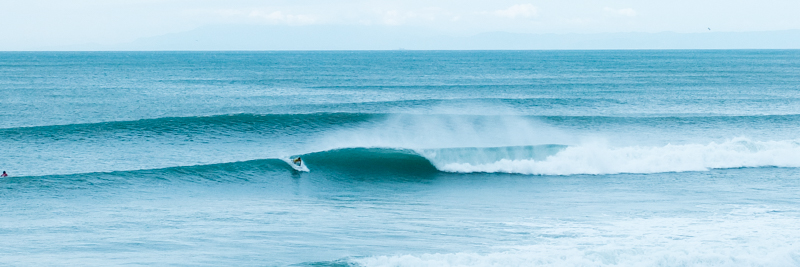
556, 159
370, 160
551, 159
393, 161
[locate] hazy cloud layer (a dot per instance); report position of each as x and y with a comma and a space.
520, 10
44, 23
623, 11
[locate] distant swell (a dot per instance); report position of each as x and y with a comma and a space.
293, 123
370, 160
205, 125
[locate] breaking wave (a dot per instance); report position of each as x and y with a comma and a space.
556, 159
551, 159
604, 159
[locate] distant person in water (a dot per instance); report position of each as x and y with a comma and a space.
4, 174
296, 161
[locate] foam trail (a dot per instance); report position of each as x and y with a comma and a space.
747, 236
610, 255
602, 159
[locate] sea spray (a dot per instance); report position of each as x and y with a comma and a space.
446, 131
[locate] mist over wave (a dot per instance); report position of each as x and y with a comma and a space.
446, 131
525, 145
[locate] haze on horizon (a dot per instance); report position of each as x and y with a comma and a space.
41, 24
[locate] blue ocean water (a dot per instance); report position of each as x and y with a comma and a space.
415, 158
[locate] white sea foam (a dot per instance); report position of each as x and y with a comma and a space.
599, 158
748, 236
609, 255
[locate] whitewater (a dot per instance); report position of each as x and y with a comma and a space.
411, 158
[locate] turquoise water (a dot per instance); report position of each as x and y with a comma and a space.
415, 158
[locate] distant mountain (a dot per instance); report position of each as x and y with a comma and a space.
238, 37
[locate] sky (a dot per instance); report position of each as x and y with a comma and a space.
28, 24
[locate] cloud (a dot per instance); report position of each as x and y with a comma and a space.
395, 17
261, 15
623, 12
280, 17
520, 10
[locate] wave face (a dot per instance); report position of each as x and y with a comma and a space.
370, 160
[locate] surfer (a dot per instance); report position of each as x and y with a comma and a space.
4, 174
296, 161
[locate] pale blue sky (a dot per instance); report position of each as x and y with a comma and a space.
27, 24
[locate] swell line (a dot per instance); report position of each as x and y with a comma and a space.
273, 122
207, 125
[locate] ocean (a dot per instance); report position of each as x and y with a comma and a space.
414, 158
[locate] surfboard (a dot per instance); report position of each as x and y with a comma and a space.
301, 167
